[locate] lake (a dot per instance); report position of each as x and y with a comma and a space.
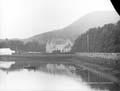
47, 77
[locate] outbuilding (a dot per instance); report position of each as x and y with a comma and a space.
6, 51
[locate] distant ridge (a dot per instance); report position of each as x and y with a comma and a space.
94, 19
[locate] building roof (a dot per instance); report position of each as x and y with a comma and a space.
58, 41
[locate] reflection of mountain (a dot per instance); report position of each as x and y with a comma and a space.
72, 31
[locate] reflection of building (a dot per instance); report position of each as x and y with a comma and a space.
59, 45
6, 51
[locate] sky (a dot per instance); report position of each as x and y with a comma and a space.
26, 18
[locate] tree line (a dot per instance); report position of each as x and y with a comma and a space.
100, 39
20, 46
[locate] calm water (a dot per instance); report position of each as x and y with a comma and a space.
46, 78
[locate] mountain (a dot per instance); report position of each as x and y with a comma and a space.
94, 19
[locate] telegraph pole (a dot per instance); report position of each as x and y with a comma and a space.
88, 51
88, 42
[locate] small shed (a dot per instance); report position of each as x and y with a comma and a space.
6, 51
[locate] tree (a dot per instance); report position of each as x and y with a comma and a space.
101, 39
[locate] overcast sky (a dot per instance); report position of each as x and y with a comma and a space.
25, 18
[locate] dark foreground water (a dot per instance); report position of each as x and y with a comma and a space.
48, 77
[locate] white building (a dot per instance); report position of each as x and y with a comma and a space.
6, 51
60, 45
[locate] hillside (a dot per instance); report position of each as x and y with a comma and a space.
103, 39
72, 31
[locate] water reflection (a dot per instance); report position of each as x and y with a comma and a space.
48, 77
32, 81
6, 64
